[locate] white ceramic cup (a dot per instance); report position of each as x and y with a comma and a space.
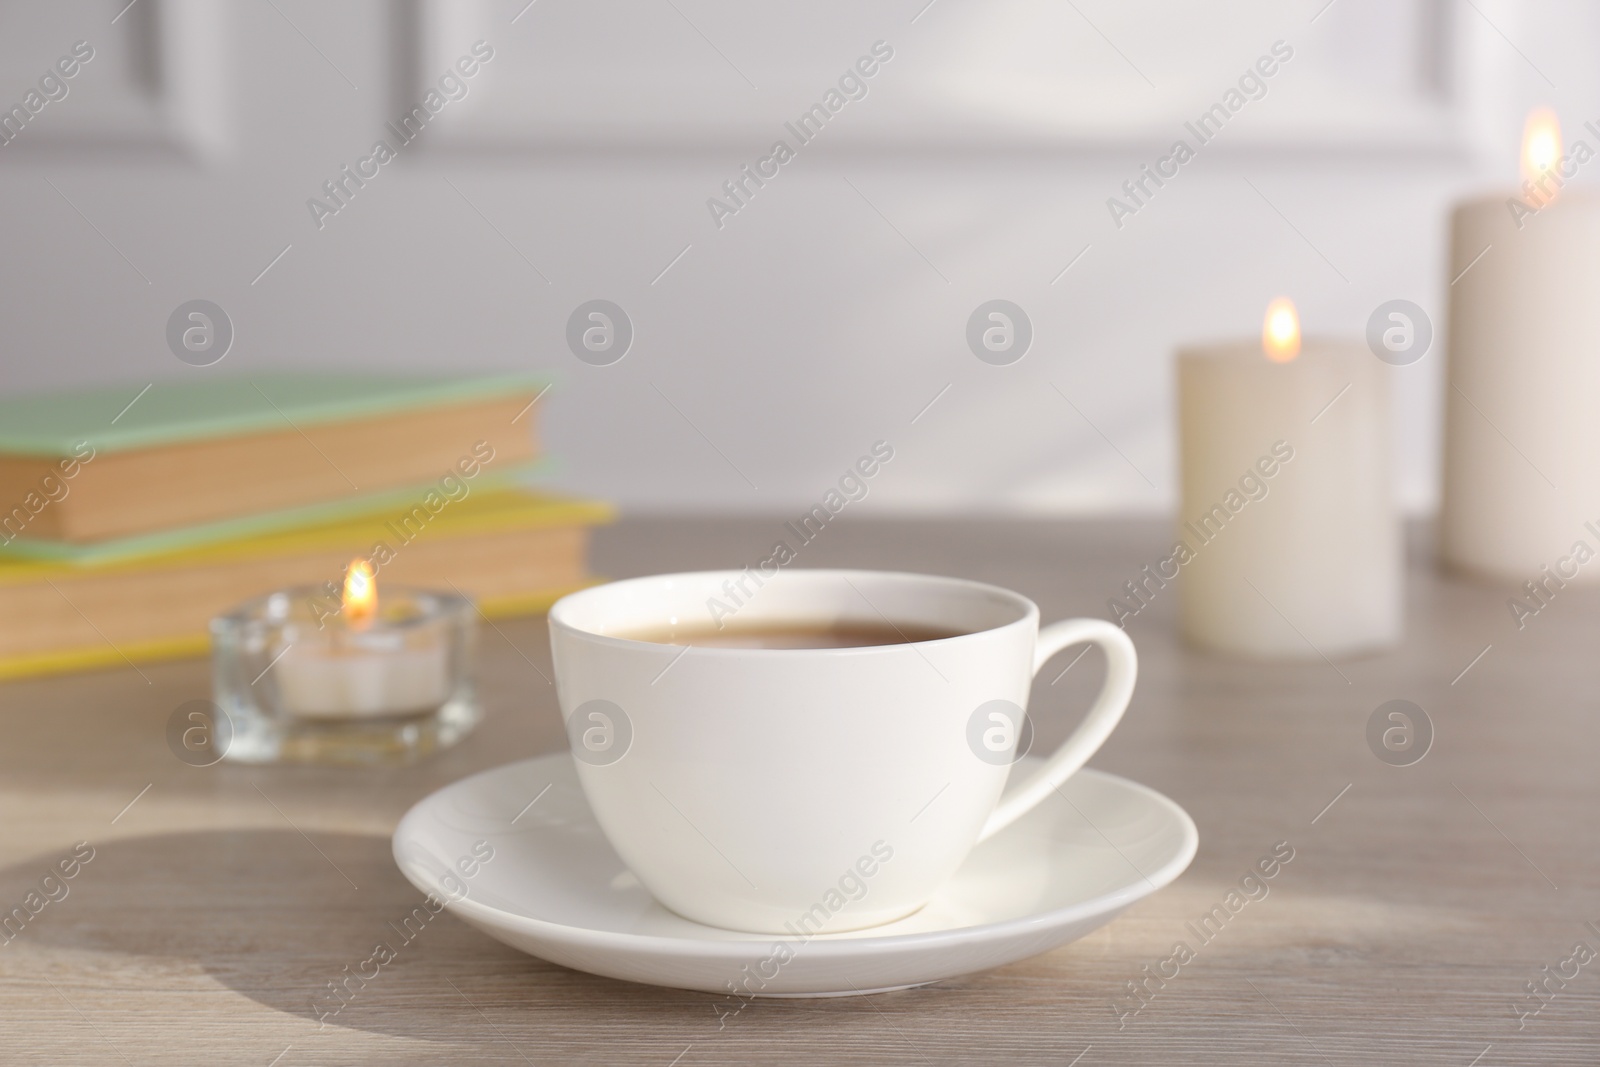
808, 791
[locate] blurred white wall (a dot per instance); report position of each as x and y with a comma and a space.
830, 310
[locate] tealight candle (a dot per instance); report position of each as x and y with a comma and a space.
371, 676
1288, 541
301, 675
352, 668
1520, 473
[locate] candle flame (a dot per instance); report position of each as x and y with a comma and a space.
360, 594
1280, 334
1541, 143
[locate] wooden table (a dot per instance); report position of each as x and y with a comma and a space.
1419, 902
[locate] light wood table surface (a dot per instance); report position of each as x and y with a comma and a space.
1417, 906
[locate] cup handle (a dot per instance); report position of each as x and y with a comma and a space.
1122, 664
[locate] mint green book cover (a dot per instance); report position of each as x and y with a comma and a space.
164, 542
169, 411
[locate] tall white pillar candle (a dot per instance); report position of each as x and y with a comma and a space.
1288, 541
1522, 399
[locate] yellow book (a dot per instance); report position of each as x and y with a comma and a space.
511, 550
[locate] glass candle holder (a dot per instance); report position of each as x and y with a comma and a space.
298, 683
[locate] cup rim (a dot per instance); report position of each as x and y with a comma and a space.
1028, 611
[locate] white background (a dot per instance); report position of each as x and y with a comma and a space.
832, 309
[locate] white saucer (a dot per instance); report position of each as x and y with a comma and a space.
554, 888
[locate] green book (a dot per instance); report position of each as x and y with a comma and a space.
110, 472
116, 418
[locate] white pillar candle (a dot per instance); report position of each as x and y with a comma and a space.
1288, 541
1521, 459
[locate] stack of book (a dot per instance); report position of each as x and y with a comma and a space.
129, 518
